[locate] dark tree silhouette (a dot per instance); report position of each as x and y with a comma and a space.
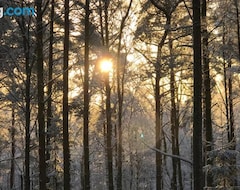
197, 107
25, 28
177, 173
49, 91
238, 26
207, 90
40, 84
167, 10
120, 92
86, 170
66, 151
13, 131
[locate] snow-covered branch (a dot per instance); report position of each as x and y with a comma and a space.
167, 154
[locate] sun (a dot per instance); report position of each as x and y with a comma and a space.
106, 65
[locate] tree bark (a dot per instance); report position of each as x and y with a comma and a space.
173, 119
86, 102
12, 130
66, 151
158, 128
120, 92
238, 26
108, 105
49, 92
207, 92
231, 138
176, 164
27, 117
109, 133
27, 126
40, 84
197, 110
28, 70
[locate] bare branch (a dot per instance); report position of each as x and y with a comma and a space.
161, 8
167, 154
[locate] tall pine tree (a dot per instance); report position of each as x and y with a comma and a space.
66, 151
197, 107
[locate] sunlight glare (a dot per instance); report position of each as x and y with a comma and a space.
106, 65
75, 92
218, 78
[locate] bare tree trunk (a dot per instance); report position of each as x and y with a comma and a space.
106, 5
231, 115
238, 26
173, 119
228, 96
27, 126
120, 92
176, 163
225, 83
27, 120
197, 110
40, 83
12, 130
66, 151
158, 128
28, 70
109, 133
207, 92
131, 160
101, 21
49, 94
238, 37
108, 105
178, 153
86, 102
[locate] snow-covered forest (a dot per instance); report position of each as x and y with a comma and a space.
119, 94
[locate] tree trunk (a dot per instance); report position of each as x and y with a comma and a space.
176, 163
238, 26
108, 105
207, 93
109, 133
86, 102
12, 130
173, 119
228, 97
40, 83
158, 128
106, 4
225, 84
28, 70
178, 153
49, 94
120, 92
27, 126
27, 121
197, 110
231, 138
66, 151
